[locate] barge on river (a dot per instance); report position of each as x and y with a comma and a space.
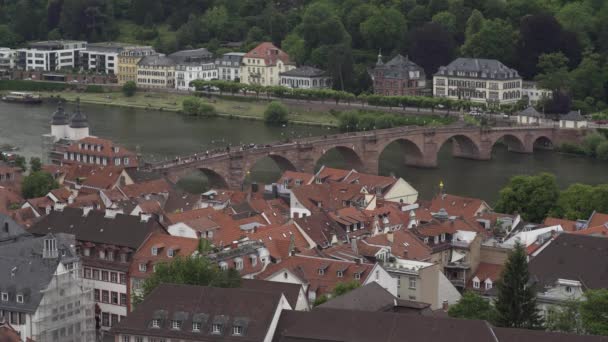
22, 97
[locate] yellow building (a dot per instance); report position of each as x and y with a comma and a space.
127, 62
156, 71
263, 65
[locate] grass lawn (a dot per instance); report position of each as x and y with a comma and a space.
252, 109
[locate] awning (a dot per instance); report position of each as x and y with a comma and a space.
457, 256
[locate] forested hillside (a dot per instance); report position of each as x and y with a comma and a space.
345, 36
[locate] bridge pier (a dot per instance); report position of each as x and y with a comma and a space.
483, 152
426, 159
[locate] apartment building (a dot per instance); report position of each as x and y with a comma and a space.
156, 71
50, 55
191, 65
127, 62
229, 66
101, 57
264, 64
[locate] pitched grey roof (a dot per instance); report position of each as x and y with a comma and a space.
371, 297
399, 68
156, 60
23, 270
478, 68
573, 115
304, 71
60, 117
250, 309
9, 229
115, 47
528, 335
234, 58
530, 111
574, 257
122, 230
79, 119
191, 56
290, 291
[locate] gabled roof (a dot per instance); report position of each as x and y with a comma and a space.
9, 229
320, 228
531, 112
597, 219
158, 186
156, 60
290, 291
329, 174
269, 236
253, 310
182, 247
270, 53
290, 178
567, 225
405, 245
479, 65
371, 297
466, 207
304, 71
486, 271
331, 196
573, 116
122, 230
600, 231
399, 67
574, 257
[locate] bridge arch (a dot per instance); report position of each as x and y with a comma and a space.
542, 142
407, 148
463, 146
513, 143
214, 179
350, 159
266, 168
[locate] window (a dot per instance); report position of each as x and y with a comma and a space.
488, 284
123, 278
114, 320
19, 298
399, 282
96, 274
126, 338
442, 237
154, 251
568, 289
357, 276
237, 330
96, 295
102, 254
475, 283
123, 299
87, 273
104, 275
216, 328
105, 296
412, 283
4, 296
105, 319
143, 267
176, 325
196, 326
114, 277
114, 297
155, 323
170, 253
340, 274
139, 339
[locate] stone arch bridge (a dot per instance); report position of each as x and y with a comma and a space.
363, 149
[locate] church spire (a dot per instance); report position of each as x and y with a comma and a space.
379, 62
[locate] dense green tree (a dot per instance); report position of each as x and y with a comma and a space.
447, 20
276, 113
589, 78
565, 318
190, 271
576, 202
38, 184
495, 39
385, 29
436, 6
295, 46
601, 151
554, 72
8, 38
431, 47
530, 196
129, 88
21, 163
35, 164
474, 24
472, 306
516, 300
591, 143
594, 312
418, 16
574, 17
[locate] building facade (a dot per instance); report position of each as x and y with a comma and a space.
398, 77
305, 77
533, 93
479, 80
127, 62
264, 64
101, 57
7, 59
74, 127
191, 65
50, 55
156, 71
229, 66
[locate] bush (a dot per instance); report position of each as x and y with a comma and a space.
571, 148
193, 106
601, 151
94, 89
19, 85
38, 184
205, 109
129, 88
591, 142
275, 114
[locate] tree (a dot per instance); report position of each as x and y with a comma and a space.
594, 312
276, 113
474, 24
554, 72
575, 202
38, 184
495, 39
21, 163
516, 301
418, 16
195, 270
129, 88
574, 17
339, 290
385, 29
530, 196
447, 20
35, 164
565, 318
601, 151
431, 46
472, 306
193, 106
588, 79
8, 38
591, 143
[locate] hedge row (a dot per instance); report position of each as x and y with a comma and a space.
20, 85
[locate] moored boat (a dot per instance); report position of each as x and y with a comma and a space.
22, 97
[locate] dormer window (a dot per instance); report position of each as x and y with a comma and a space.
102, 254
4, 296
156, 323
442, 237
357, 275
170, 253
196, 326
436, 239
340, 274
321, 271
254, 260
237, 330
476, 283
154, 251
488, 284
143, 267
86, 251
216, 329
223, 266
176, 324
568, 289
238, 263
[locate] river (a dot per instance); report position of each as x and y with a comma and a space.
160, 135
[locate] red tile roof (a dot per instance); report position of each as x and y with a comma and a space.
276, 238
62, 194
457, 205
567, 225
7, 198
183, 247
320, 228
601, 230
404, 245
307, 269
597, 219
485, 271
436, 227
157, 186
289, 178
328, 174
330, 196
371, 182
270, 53
107, 149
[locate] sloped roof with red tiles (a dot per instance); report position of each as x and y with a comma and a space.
437, 227
5, 168
102, 148
150, 207
307, 269
183, 247
23, 216
457, 205
320, 228
593, 231
270, 53
270, 234
330, 196
329, 174
597, 219
486, 271
157, 186
40, 203
371, 182
291, 178
405, 245
8, 197
62, 194
87, 200
94, 176
567, 225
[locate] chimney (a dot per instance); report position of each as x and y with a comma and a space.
390, 237
353, 246
235, 244
445, 305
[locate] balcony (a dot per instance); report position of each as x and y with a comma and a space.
463, 265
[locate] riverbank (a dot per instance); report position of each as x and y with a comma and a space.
299, 113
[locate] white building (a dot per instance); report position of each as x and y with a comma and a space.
264, 64
229, 66
7, 59
191, 65
74, 128
305, 77
51, 55
478, 80
574, 119
101, 57
533, 93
